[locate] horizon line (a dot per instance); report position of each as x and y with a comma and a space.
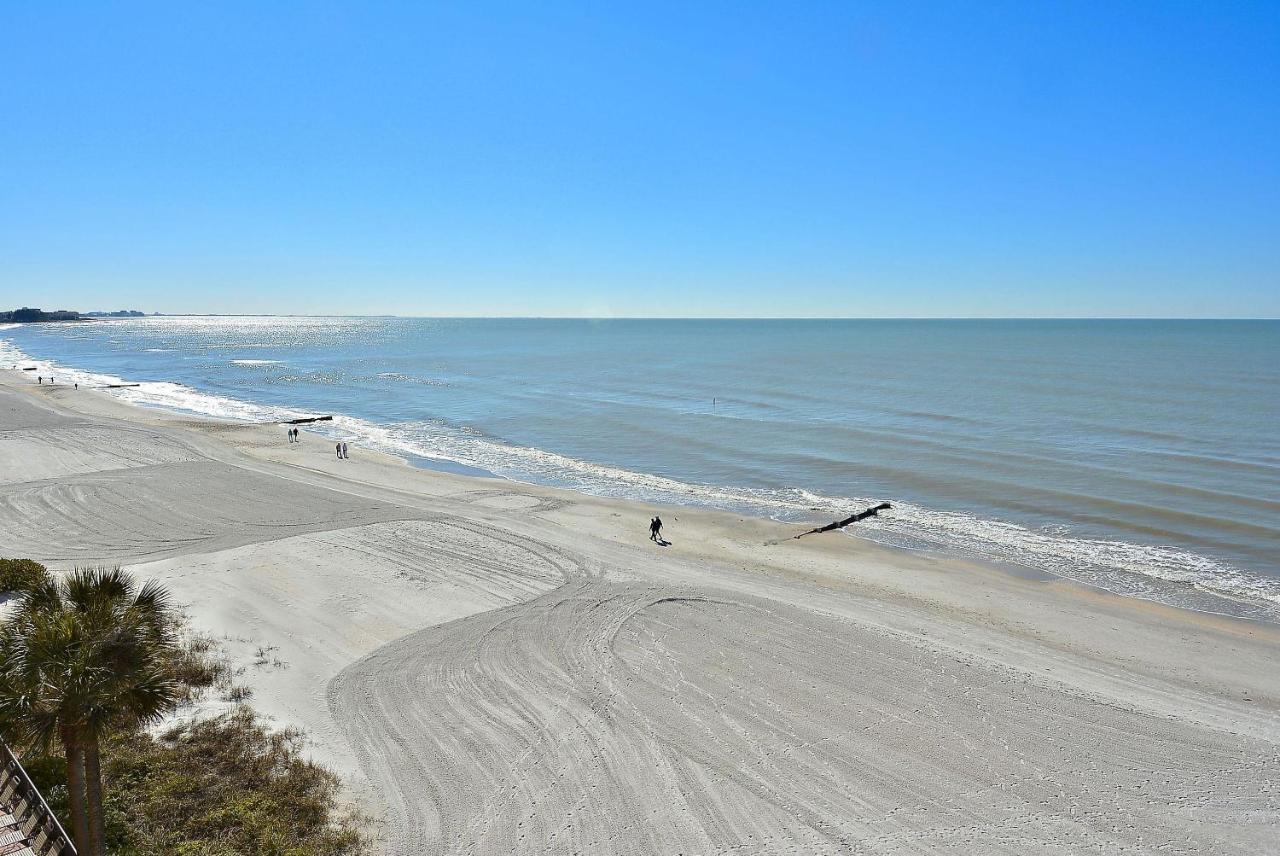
684, 317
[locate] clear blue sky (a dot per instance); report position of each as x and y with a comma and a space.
692, 158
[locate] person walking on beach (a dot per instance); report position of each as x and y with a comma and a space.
40, 380
338, 450
344, 452
655, 529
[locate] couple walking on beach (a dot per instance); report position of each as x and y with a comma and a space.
339, 449
655, 530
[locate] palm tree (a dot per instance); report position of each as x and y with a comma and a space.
82, 656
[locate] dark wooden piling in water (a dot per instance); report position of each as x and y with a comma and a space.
853, 518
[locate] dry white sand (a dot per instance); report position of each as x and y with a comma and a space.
498, 668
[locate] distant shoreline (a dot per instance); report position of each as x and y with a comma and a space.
696, 318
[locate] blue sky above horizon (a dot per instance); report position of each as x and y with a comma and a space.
685, 159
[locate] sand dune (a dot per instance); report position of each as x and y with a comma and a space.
501, 668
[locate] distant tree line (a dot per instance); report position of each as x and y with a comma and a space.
26, 314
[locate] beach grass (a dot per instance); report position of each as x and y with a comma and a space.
211, 785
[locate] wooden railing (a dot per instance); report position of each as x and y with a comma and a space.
23, 813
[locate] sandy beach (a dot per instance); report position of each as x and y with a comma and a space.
495, 667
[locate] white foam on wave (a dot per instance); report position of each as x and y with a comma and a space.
172, 396
255, 362
1162, 573
1119, 566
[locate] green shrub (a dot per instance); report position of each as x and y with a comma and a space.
21, 575
221, 786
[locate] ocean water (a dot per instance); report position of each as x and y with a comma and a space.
1139, 456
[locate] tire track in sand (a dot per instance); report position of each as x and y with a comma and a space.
625, 718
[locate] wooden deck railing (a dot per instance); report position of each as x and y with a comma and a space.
27, 826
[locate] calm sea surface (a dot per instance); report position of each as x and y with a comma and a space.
1141, 456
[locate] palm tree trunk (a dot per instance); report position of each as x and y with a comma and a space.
75, 788
93, 791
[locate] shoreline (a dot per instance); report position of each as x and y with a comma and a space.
446, 467
1216, 595
360, 575
261, 446
259, 442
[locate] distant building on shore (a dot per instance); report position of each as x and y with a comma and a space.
119, 313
